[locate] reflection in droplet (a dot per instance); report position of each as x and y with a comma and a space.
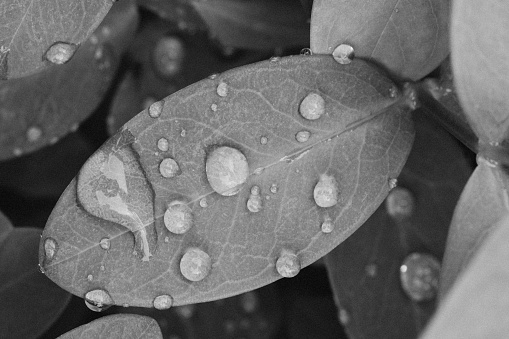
249, 301
222, 89
326, 191
163, 302
195, 265
226, 169
50, 248
400, 203
343, 54
169, 168
273, 188
98, 300
155, 109
163, 145
60, 52
302, 136
178, 217
105, 243
306, 51
327, 225
419, 276
393, 183
288, 264
34, 133
312, 107
264, 140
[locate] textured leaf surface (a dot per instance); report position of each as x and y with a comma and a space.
116, 327
257, 113
30, 27
478, 304
364, 269
39, 109
30, 301
410, 38
480, 60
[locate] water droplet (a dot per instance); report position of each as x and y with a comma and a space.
255, 190
168, 56
229, 327
343, 54
98, 300
227, 170
178, 217
155, 109
213, 107
212, 76
103, 56
163, 302
326, 191
40, 268
393, 183
222, 89
93, 39
302, 136
204, 203
343, 317
258, 171
60, 52
400, 203
34, 133
195, 265
254, 203
166, 239
410, 94
306, 51
327, 225
371, 270
264, 140
288, 265
50, 248
185, 311
183, 133
125, 305
90, 277
249, 302
312, 107
274, 59
105, 243
17, 151
393, 92
169, 168
396, 10
163, 144
273, 188
419, 276
102, 268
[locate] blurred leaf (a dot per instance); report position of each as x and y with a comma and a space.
254, 110
126, 103
365, 268
117, 326
260, 24
30, 301
180, 12
39, 109
29, 29
409, 38
478, 304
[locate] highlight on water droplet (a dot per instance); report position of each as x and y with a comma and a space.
302, 136
400, 203
254, 203
227, 170
98, 300
60, 52
393, 183
419, 275
222, 89
178, 217
169, 168
393, 91
155, 109
288, 264
326, 191
212, 76
163, 145
343, 54
105, 243
34, 133
163, 302
195, 265
306, 51
327, 225
312, 107
50, 248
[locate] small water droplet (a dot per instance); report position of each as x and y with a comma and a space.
90, 277
204, 203
343, 54
264, 140
105, 243
273, 188
17, 151
166, 239
34, 133
371, 270
288, 265
393, 183
410, 94
163, 145
400, 203
155, 109
396, 10
274, 59
393, 92
102, 268
60, 52
302, 136
125, 305
169, 168
163, 302
195, 265
213, 107
50, 248
419, 276
254, 203
93, 39
306, 52
258, 171
343, 317
98, 300
222, 89
327, 225
183, 133
40, 268
255, 190
227, 170
249, 302
212, 76
185, 311
168, 56
312, 107
326, 191
178, 217
106, 31
103, 55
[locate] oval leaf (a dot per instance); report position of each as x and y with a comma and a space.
409, 38
237, 235
180, 12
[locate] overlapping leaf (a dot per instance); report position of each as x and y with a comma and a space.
254, 109
177, 11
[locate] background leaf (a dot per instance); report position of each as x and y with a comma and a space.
180, 12
409, 38
30, 301
29, 28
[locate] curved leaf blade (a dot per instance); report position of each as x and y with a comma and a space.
261, 103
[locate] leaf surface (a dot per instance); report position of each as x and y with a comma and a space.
30, 27
30, 301
257, 114
409, 38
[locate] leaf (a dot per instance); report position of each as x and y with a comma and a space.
480, 64
477, 305
29, 28
30, 301
117, 326
365, 269
253, 112
180, 12
261, 24
127, 102
37, 110
409, 38
483, 202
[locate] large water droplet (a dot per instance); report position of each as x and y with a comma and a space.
312, 107
178, 217
195, 265
105, 243
227, 170
60, 52
155, 109
343, 54
98, 300
163, 145
326, 191
302, 136
34, 133
288, 264
169, 168
50, 248
163, 302
400, 203
222, 89
419, 276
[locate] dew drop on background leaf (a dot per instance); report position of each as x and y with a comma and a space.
288, 264
343, 54
98, 300
400, 203
419, 276
227, 170
60, 52
178, 217
195, 265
